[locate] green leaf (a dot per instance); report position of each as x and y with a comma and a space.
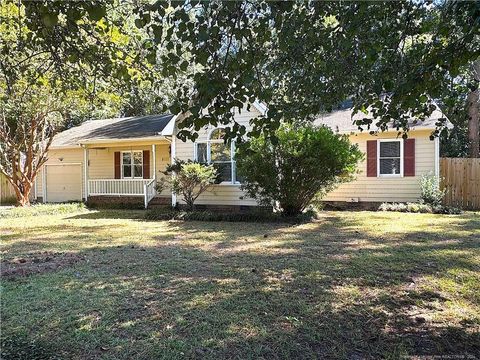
50, 19
96, 12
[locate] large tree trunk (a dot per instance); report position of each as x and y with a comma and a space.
473, 103
24, 152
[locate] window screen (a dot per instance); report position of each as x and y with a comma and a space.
390, 158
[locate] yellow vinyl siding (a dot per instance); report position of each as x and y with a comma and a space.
384, 189
222, 194
101, 160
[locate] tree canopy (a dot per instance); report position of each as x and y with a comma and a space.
301, 58
392, 58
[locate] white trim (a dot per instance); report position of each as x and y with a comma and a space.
44, 184
261, 107
62, 164
232, 161
154, 159
108, 141
132, 164
172, 161
35, 188
379, 141
437, 157
85, 173
170, 127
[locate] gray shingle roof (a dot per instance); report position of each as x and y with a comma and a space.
342, 121
113, 129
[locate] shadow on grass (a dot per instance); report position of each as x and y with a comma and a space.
323, 290
97, 214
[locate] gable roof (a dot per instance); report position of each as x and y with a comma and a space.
115, 129
342, 121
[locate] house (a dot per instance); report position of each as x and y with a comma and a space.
120, 160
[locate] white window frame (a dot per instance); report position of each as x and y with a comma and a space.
233, 162
131, 152
401, 158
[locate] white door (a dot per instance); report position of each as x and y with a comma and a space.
64, 182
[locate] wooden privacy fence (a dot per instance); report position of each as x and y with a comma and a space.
7, 194
461, 178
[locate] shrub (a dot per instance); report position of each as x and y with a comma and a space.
190, 179
297, 167
430, 190
408, 207
254, 216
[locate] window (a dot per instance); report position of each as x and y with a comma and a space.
222, 156
132, 164
390, 157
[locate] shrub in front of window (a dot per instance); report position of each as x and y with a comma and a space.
300, 166
430, 192
190, 179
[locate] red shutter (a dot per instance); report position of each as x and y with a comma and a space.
409, 157
372, 158
146, 164
116, 158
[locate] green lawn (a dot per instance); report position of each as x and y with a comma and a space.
353, 285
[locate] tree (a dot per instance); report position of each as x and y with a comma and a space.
300, 58
54, 72
460, 105
304, 164
473, 105
191, 179
24, 143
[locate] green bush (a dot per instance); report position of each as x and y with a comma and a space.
297, 167
190, 179
419, 208
42, 209
430, 190
253, 216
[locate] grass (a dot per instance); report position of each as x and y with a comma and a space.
41, 209
351, 285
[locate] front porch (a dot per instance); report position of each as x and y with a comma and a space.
144, 188
117, 173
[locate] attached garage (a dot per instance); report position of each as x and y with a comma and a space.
63, 182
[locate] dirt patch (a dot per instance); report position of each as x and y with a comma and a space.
38, 263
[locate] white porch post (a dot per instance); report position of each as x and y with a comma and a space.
85, 171
437, 157
44, 183
172, 160
154, 158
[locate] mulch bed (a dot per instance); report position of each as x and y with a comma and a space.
37, 263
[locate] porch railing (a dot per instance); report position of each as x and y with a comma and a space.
127, 187
117, 186
149, 191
